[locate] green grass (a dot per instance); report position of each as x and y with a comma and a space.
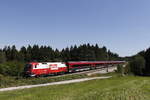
7, 81
116, 88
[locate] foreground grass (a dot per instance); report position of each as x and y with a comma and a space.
117, 88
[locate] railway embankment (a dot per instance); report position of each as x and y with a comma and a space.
54, 83
6, 81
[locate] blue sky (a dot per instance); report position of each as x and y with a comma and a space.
123, 26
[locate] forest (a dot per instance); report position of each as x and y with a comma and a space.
85, 52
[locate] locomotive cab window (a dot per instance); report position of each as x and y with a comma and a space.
35, 66
27, 67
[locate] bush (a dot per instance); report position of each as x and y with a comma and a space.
4, 69
2, 57
137, 65
127, 69
13, 68
120, 69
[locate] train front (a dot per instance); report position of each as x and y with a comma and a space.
28, 70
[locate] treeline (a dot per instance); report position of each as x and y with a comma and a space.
85, 52
139, 64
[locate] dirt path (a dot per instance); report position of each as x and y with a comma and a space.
53, 83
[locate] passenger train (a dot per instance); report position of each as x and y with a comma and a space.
34, 69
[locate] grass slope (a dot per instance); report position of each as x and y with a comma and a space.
6, 81
117, 88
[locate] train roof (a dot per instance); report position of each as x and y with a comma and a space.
95, 62
84, 62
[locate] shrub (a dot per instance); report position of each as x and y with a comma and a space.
127, 69
137, 65
2, 57
120, 69
13, 68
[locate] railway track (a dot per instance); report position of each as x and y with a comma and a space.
88, 72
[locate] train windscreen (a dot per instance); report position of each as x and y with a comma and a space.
27, 67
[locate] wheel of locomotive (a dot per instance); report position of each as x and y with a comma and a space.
37, 76
92, 68
62, 73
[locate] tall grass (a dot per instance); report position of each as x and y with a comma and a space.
117, 88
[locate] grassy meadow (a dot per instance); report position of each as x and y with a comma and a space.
116, 88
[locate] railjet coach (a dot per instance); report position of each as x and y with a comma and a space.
55, 68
